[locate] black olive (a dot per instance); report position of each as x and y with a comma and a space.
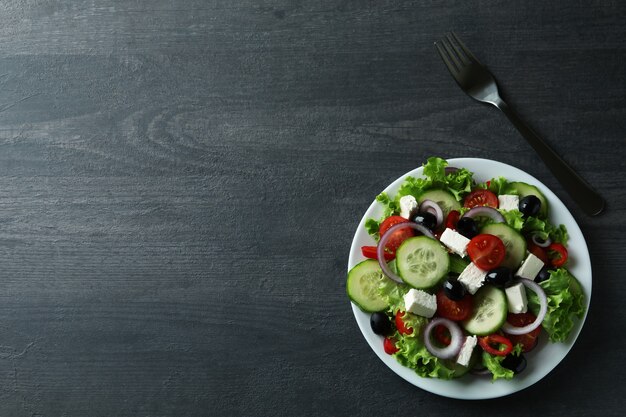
530, 205
381, 324
515, 363
467, 227
453, 289
500, 276
543, 275
428, 220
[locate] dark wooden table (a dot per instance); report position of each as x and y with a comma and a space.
180, 183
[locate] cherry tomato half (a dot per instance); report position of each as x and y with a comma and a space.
480, 198
452, 219
370, 252
442, 335
527, 340
557, 254
389, 344
486, 251
495, 344
400, 325
453, 310
398, 236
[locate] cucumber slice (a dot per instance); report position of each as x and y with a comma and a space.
513, 241
362, 286
489, 311
422, 262
443, 198
524, 189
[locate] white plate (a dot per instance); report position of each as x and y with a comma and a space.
546, 356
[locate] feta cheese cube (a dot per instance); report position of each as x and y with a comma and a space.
408, 206
472, 278
455, 241
530, 268
508, 202
516, 297
466, 350
420, 303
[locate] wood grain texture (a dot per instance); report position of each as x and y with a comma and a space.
180, 183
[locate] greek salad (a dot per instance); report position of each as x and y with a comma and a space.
466, 277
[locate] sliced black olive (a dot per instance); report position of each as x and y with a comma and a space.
530, 205
467, 227
500, 276
453, 289
426, 219
515, 363
543, 275
381, 324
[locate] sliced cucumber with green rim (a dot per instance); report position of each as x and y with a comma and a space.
422, 262
443, 198
524, 189
514, 243
488, 313
362, 286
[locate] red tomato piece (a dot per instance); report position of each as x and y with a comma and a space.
389, 345
495, 344
452, 219
400, 325
480, 198
528, 340
442, 335
538, 251
486, 251
453, 310
398, 236
370, 252
557, 254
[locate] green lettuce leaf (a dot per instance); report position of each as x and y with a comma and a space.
565, 299
498, 186
545, 230
513, 218
413, 354
494, 364
458, 183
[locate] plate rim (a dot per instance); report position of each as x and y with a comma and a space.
505, 387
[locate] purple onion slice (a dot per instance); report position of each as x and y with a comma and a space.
485, 211
433, 208
540, 242
456, 338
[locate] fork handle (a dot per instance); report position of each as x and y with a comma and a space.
587, 198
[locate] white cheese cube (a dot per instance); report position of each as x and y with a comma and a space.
455, 241
530, 268
408, 206
472, 278
508, 202
516, 297
466, 350
420, 303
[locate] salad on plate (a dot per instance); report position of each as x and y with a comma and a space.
466, 276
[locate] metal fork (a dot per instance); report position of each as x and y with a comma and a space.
478, 82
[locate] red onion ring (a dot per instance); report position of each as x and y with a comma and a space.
539, 242
450, 170
380, 250
456, 337
434, 209
543, 309
485, 211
